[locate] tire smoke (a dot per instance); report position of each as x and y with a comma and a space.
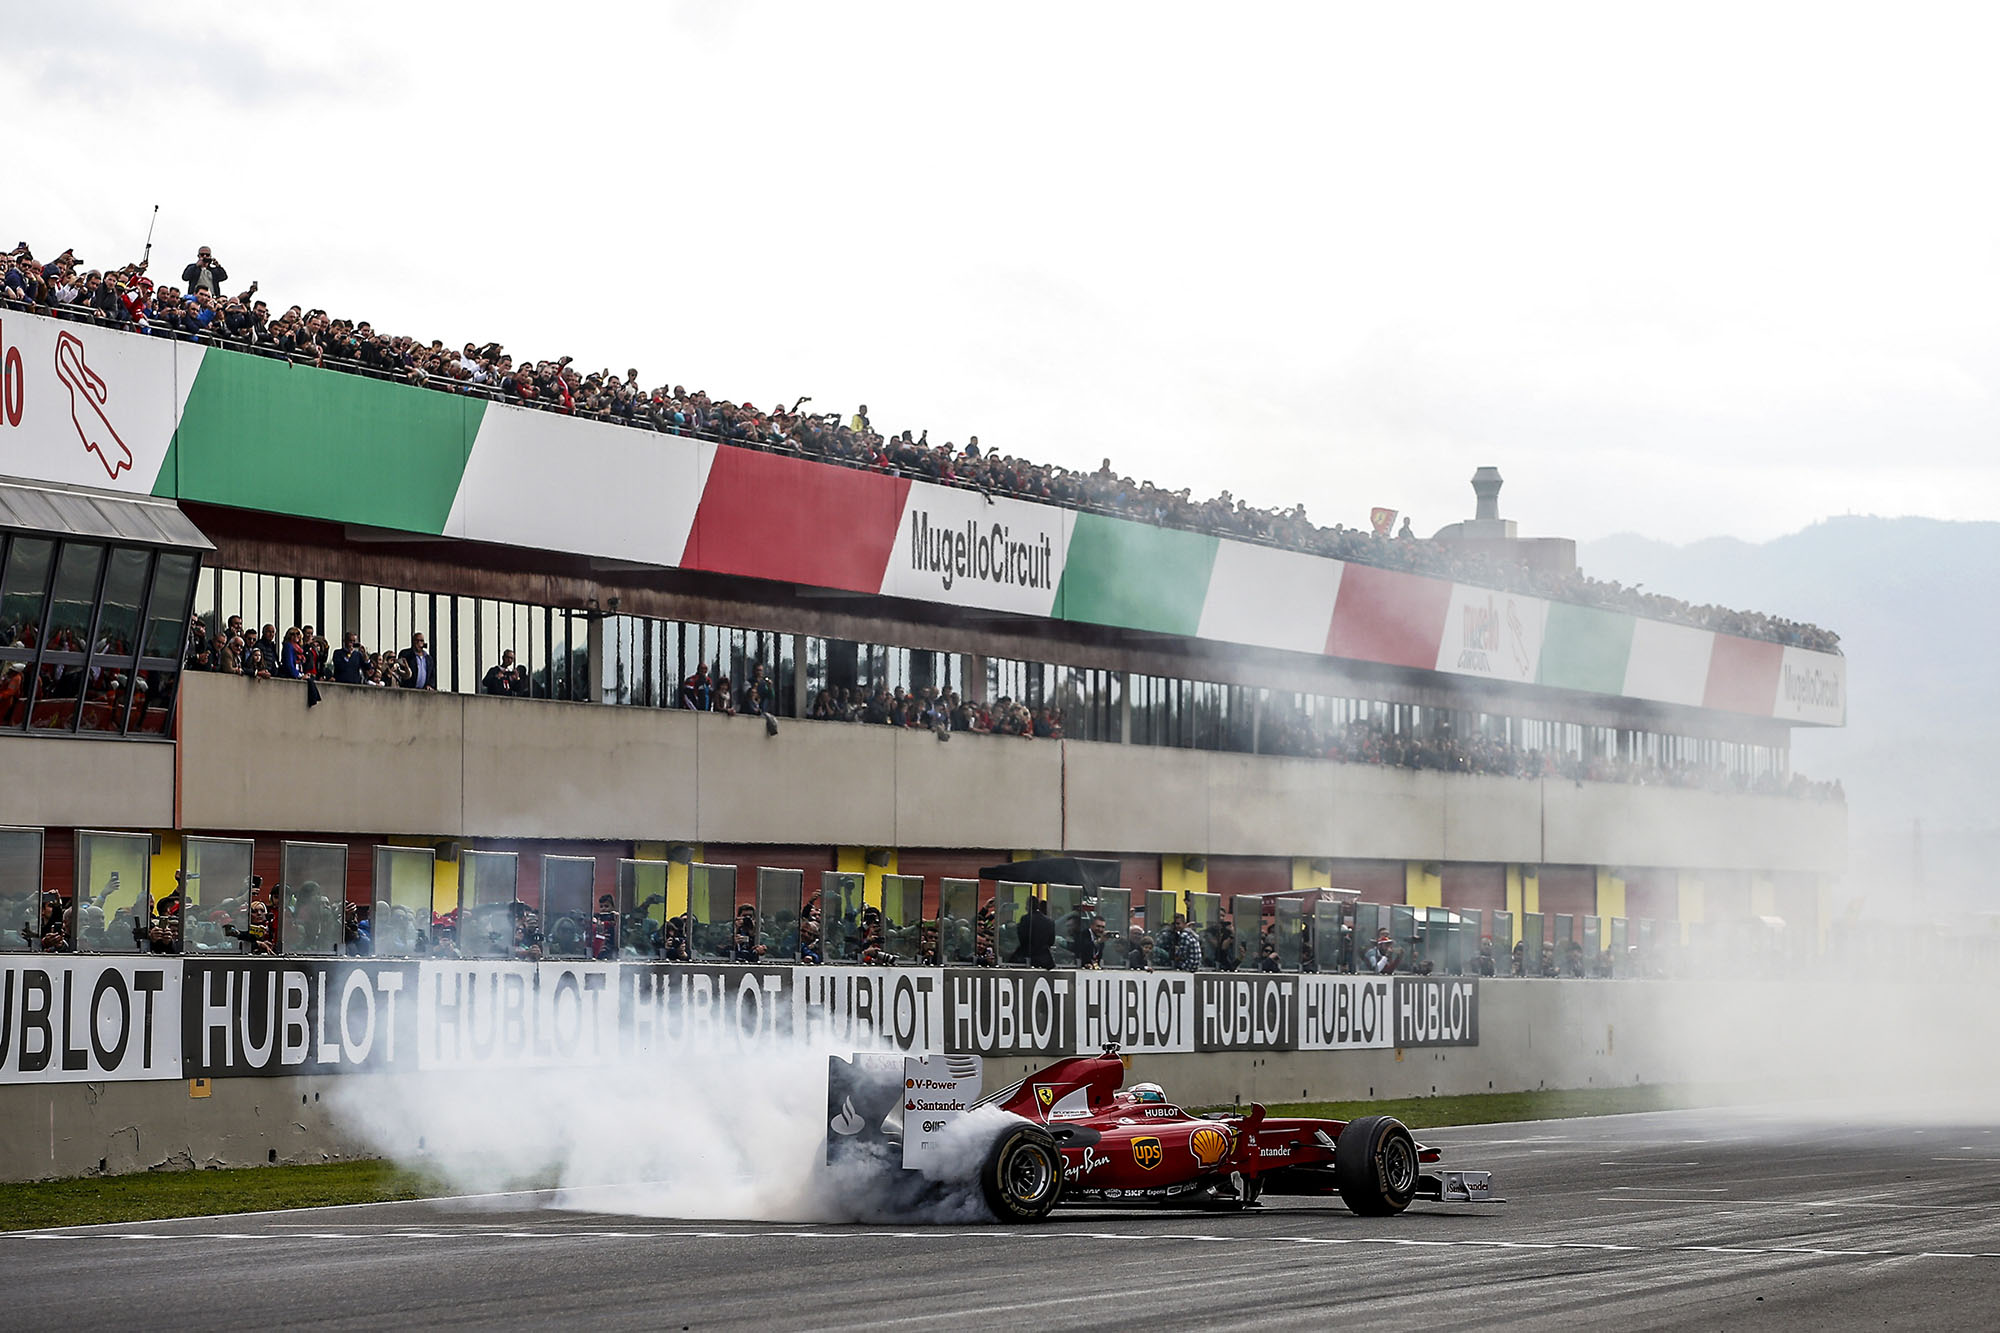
710, 1136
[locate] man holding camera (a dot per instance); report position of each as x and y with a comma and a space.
204, 274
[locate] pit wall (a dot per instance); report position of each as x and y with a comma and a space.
1532, 1034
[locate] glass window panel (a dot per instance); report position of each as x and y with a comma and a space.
314, 897
167, 613
486, 913
114, 907
1204, 914
566, 905
1288, 933
217, 891
399, 919
841, 904
1501, 934
1114, 908
643, 902
75, 592
780, 895
538, 650
1333, 936
1010, 908
1534, 944
1071, 917
151, 710
1161, 905
958, 910
20, 889
118, 619
711, 912
1367, 924
902, 915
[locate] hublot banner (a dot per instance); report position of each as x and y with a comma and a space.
1437, 1011
1136, 1011
87, 1019
297, 1017
988, 1011
1245, 1011
78, 1021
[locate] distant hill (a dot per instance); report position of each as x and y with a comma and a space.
1913, 602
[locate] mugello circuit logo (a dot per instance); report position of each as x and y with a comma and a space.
1147, 1152
88, 400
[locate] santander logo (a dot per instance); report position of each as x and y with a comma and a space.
87, 399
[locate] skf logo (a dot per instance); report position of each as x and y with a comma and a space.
1147, 1153
1209, 1145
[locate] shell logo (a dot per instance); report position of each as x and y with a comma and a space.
909, 1083
1209, 1145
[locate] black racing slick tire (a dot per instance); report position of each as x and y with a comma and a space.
1022, 1177
1375, 1166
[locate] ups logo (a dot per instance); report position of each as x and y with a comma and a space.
1146, 1152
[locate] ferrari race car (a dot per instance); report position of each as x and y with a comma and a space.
1069, 1135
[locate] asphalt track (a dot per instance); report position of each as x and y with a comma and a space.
1669, 1220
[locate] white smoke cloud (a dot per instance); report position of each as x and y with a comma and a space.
738, 1136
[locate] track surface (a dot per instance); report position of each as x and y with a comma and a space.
1670, 1220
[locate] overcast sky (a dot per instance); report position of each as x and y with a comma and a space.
1683, 271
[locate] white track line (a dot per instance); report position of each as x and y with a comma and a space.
1023, 1234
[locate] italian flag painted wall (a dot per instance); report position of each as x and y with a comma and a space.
121, 411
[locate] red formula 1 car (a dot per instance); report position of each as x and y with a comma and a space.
1075, 1138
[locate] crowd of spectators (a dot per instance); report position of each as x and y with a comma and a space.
198, 306
301, 654
1368, 742
248, 919
938, 711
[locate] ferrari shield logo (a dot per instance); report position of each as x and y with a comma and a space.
1045, 1094
1146, 1152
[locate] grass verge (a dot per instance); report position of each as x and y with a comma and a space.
154, 1194
138, 1198
1484, 1108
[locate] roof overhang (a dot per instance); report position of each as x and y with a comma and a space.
70, 511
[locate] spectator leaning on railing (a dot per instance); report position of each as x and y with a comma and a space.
200, 309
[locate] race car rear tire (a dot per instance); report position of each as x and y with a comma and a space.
1375, 1166
1023, 1175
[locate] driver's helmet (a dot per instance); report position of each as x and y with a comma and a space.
1148, 1092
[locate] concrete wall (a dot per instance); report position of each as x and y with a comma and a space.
404, 762
1533, 1034
86, 783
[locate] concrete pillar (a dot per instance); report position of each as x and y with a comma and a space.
594, 645
801, 690
1124, 708
350, 616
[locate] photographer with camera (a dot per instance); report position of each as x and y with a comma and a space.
745, 947
204, 274
259, 935
1383, 957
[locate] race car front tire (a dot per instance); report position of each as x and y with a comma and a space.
1375, 1166
1023, 1175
